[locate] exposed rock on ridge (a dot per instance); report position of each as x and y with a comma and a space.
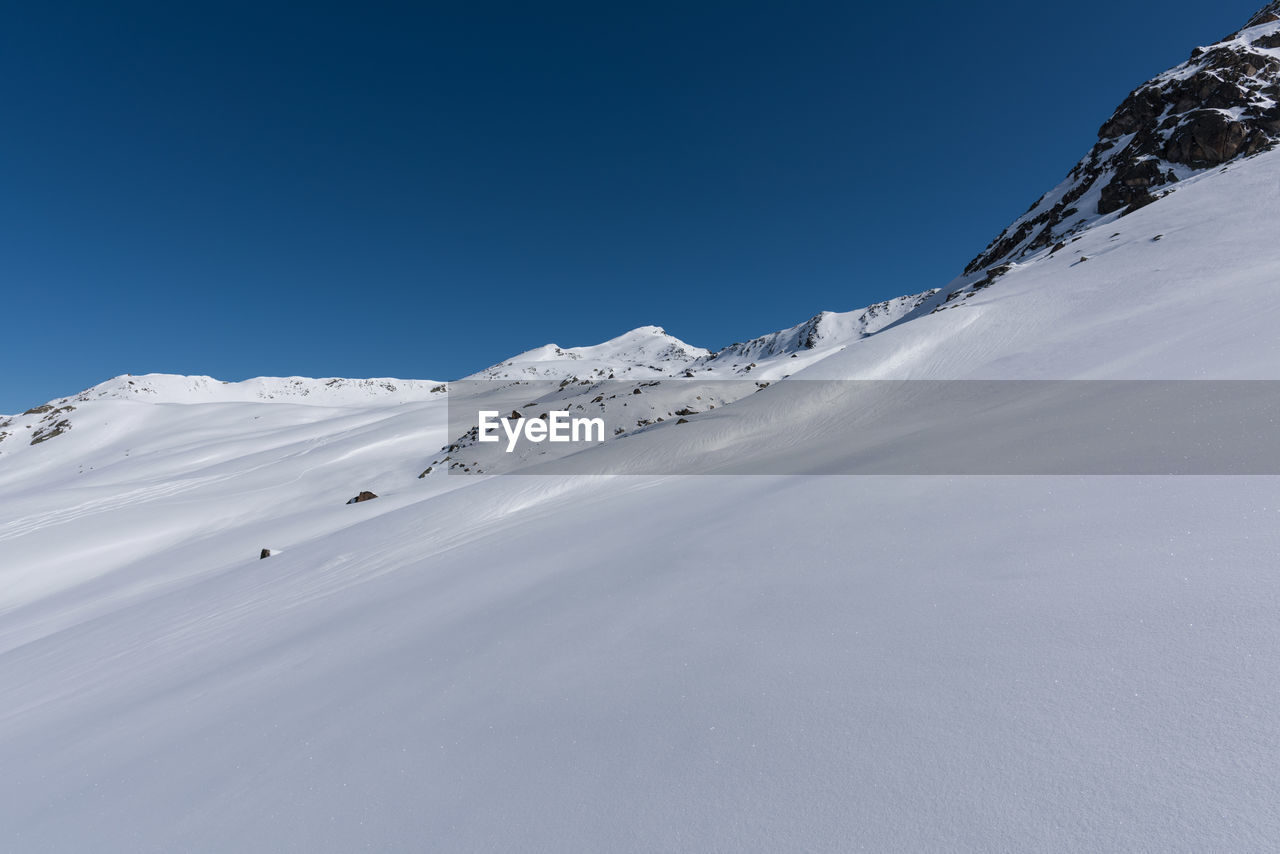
826, 327
1221, 104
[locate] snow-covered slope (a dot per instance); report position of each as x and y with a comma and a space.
571, 663
48, 421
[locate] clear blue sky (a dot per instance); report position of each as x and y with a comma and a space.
421, 190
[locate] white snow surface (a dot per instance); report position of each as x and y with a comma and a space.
700, 663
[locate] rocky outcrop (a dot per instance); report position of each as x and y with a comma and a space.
1221, 104
53, 422
824, 328
1265, 15
49, 431
366, 495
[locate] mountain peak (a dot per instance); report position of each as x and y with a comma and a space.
643, 351
639, 334
1220, 105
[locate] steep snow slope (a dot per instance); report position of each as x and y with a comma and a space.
1185, 289
1220, 105
563, 663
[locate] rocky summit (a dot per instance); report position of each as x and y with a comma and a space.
1220, 105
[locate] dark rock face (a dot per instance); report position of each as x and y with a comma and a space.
49, 431
1265, 15
810, 333
1221, 104
363, 496
1207, 138
266, 553
1130, 186
53, 422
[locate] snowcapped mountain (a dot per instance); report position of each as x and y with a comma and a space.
644, 352
561, 663
649, 352
1220, 105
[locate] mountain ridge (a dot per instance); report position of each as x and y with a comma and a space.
1221, 104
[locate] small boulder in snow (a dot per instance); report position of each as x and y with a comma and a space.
366, 495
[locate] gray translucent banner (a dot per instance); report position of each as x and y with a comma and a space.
751, 426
